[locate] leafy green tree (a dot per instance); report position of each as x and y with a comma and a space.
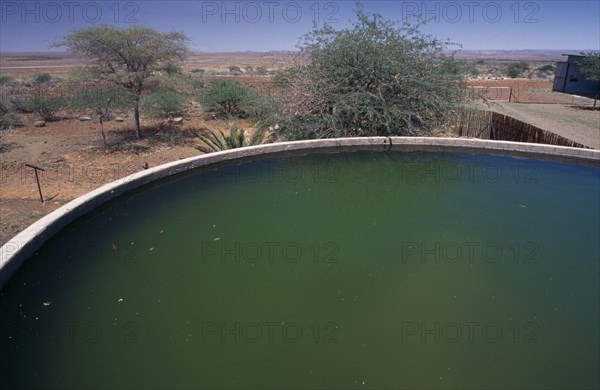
164, 105
590, 69
516, 69
513, 72
103, 100
590, 66
225, 97
374, 78
127, 57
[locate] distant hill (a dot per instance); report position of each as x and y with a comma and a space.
526, 52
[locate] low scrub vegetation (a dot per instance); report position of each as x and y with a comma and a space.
8, 117
164, 105
225, 97
6, 80
517, 69
42, 78
47, 107
374, 78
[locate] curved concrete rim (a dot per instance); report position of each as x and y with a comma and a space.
26, 243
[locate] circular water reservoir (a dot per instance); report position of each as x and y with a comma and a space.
370, 269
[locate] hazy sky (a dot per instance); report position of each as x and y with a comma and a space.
276, 25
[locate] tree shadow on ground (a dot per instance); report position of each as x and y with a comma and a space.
6, 147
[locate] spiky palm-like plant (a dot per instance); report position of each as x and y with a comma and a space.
215, 141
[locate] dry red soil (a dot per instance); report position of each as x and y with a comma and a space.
70, 150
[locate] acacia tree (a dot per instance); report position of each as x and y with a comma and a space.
127, 57
590, 69
373, 78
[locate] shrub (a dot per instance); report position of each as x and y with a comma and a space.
370, 79
8, 117
283, 78
171, 69
41, 78
546, 68
225, 97
235, 70
197, 70
261, 70
5, 80
231, 98
516, 69
20, 104
259, 106
590, 68
164, 105
47, 107
513, 73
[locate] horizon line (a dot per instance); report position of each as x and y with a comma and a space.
296, 51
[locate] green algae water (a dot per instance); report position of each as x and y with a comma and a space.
353, 270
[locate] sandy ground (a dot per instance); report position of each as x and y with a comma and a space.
74, 162
535, 103
70, 152
576, 123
